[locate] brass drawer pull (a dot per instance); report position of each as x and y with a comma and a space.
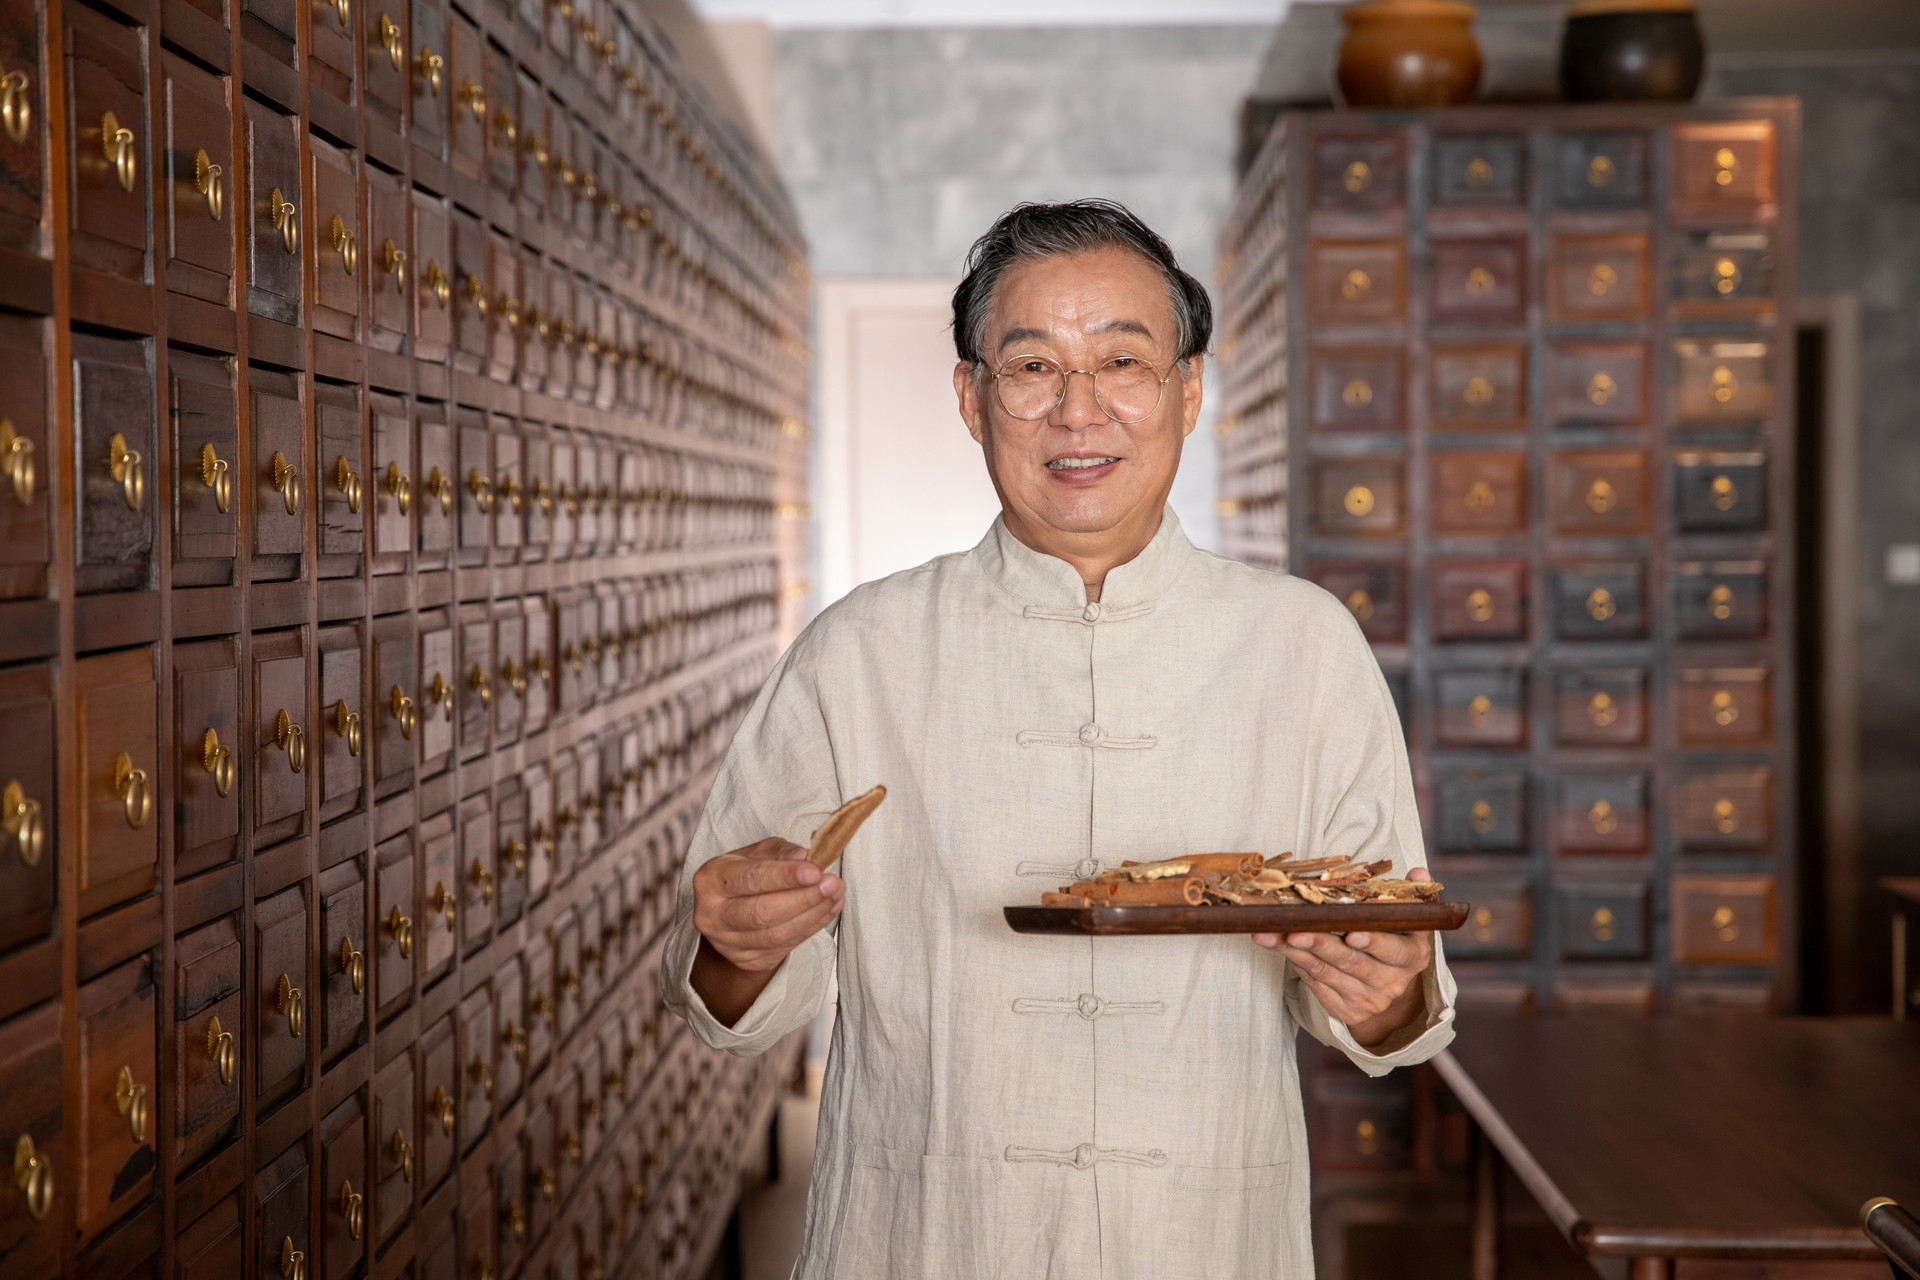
389, 35
539, 667
569, 820
403, 711
218, 761
16, 462
353, 964
1479, 605
393, 260
130, 784
32, 1171
444, 902
1725, 926
615, 1082
436, 280
482, 490
1481, 817
440, 1106
285, 478
595, 956
567, 499
1726, 385
476, 295
123, 464
1602, 711
352, 1207
1601, 606
1601, 389
1726, 816
1602, 818
1479, 496
344, 9
515, 1039
637, 1195
215, 474
507, 126
207, 181
286, 220
1726, 276
402, 1151
1478, 393
481, 1073
400, 929
442, 488
544, 1182
399, 486
1720, 601
17, 113
130, 1100
543, 1008
515, 1220
292, 739
346, 723
509, 488
347, 481
1480, 711
592, 645
478, 682
542, 837
1725, 710
220, 1049
1356, 285
440, 694
1602, 925
1480, 282
1601, 279
570, 982
474, 98
509, 310
537, 149
289, 1001
570, 653
1366, 1138
1601, 497
1725, 165
20, 817
515, 855
1358, 501
1600, 172
482, 880
1723, 494
570, 1147
345, 243
514, 678
1483, 924
430, 64
117, 143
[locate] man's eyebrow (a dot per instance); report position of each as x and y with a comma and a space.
1023, 335
1105, 326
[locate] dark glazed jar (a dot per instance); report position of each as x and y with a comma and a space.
1631, 50
1408, 53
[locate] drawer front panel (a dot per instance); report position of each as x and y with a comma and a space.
1722, 167
1375, 594
1730, 708
1600, 708
1479, 600
1360, 171
1482, 812
1600, 170
1603, 921
1723, 920
1501, 925
1479, 169
1480, 388
117, 444
1722, 383
1598, 494
116, 715
1480, 281
1359, 497
1721, 600
29, 858
1599, 278
1725, 812
1720, 492
26, 533
200, 181
1481, 708
1357, 281
1723, 273
1601, 813
282, 1003
1603, 601
1600, 384
1361, 389
277, 224
1479, 493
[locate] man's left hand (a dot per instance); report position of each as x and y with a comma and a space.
1370, 981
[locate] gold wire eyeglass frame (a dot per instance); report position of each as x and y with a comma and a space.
1000, 395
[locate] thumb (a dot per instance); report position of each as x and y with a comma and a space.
1419, 874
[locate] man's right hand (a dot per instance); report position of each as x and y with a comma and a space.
752, 907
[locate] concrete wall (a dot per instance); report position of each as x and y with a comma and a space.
900, 146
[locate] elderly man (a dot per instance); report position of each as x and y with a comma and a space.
1082, 687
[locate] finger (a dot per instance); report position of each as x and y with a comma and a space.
1420, 874
774, 848
1342, 998
1350, 971
1397, 950
740, 877
779, 939
1334, 951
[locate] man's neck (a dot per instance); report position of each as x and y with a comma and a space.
1092, 555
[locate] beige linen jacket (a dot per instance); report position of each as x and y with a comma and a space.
1000, 1105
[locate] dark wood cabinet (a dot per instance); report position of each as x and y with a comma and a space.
115, 714
116, 1138
277, 225
205, 446
211, 755
200, 181
29, 858
209, 1024
116, 460
31, 1117
281, 485
108, 144
27, 468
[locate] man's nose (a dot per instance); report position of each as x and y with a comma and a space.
1078, 406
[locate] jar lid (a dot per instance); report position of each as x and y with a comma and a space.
1596, 8
1407, 10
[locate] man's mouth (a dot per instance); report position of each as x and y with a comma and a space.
1078, 464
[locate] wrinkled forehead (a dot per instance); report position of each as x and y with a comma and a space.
1083, 301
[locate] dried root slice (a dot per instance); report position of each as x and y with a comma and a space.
1169, 892
830, 841
1064, 900
1245, 864
1142, 871
1306, 890
1310, 864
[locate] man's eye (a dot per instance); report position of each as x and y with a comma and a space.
1123, 362
1034, 366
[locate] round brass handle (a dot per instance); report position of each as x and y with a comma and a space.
1480, 605
444, 902
32, 1171
477, 296
403, 711
220, 1049
288, 1000
117, 143
130, 784
207, 181
346, 723
1725, 710
402, 1154
515, 1039
1601, 389
130, 1100
430, 64
1481, 817
1602, 925
1602, 818
352, 1208
543, 1006
20, 818
399, 486
1480, 711
1600, 171
440, 1106
510, 489
514, 678
542, 497
539, 667
286, 219
508, 127
482, 879
345, 243
516, 1220
390, 39
442, 488
215, 475
542, 838
393, 260
16, 462
17, 112
477, 680
292, 739
475, 99
570, 982
347, 481
636, 1195
1356, 285
353, 964
285, 478
440, 694
482, 490
481, 1073
571, 653
1601, 496
1723, 494
570, 1147
436, 280
515, 854
400, 929
124, 465
1601, 605
537, 149
218, 761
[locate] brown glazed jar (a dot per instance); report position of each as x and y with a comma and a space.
1408, 53
1631, 50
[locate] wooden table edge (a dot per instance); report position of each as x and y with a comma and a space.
1512, 1150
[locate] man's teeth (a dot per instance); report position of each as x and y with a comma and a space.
1078, 464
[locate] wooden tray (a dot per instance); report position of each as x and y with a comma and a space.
1398, 917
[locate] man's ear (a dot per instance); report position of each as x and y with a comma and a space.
1190, 380
967, 390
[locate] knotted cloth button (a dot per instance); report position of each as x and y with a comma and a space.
1083, 1156
1089, 1006
1091, 613
1092, 734
1086, 868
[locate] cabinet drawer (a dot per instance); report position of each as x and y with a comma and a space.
214, 1247
395, 929
513, 856
1479, 169
1594, 278
29, 860
119, 1098
1720, 492
509, 490
510, 1051
1360, 171
384, 28
1722, 167
439, 1110
542, 841
476, 1068
429, 73
1603, 921
1599, 601
1600, 708
1480, 388
280, 474
479, 878
1483, 812
503, 119
1601, 813
1375, 594
395, 703
1721, 383
479, 687
342, 724
1723, 920
341, 479
472, 297
540, 321
536, 154
438, 911
434, 491
1501, 926
1723, 273
390, 262
116, 716
330, 64
27, 464
281, 1005
200, 181
1366, 1131
206, 442
476, 497
282, 736
1357, 281
1730, 707
344, 961
23, 37
206, 701
117, 440
1725, 812
344, 1186
1480, 708
1598, 494
566, 503
503, 272
1479, 493
436, 704
510, 677
107, 143
539, 488
1359, 497
1361, 389
1600, 384
566, 973
282, 1190
390, 488
395, 1142
1480, 281
430, 280
510, 1190
1482, 600
335, 238
276, 223
208, 1033
539, 662
1600, 170
1721, 600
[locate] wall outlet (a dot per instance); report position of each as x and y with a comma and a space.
1903, 564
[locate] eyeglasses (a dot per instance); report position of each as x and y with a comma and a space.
1127, 388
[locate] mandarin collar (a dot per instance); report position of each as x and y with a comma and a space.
1033, 578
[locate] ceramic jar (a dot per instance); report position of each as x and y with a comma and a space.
1408, 53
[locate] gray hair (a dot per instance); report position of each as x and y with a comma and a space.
1030, 231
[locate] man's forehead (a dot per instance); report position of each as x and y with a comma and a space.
1028, 333
1083, 294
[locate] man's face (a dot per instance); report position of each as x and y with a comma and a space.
1076, 471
